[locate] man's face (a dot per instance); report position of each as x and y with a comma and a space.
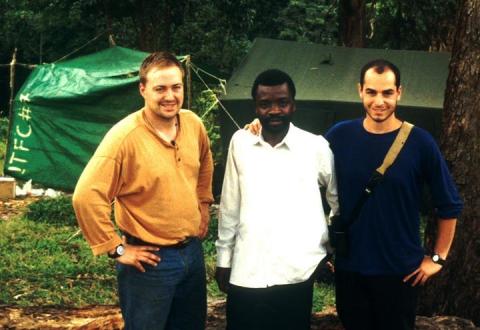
274, 107
163, 92
379, 95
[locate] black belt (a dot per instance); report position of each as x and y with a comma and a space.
137, 241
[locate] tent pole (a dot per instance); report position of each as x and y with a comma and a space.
189, 82
12, 82
12, 92
111, 41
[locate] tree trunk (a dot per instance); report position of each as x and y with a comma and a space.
154, 25
144, 33
352, 23
456, 289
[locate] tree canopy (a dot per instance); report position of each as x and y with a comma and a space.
217, 33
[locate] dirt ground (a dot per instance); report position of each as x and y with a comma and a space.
13, 207
109, 317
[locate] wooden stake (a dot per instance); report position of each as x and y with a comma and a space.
12, 82
10, 104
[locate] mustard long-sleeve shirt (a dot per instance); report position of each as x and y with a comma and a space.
156, 186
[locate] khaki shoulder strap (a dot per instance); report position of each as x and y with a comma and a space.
397, 145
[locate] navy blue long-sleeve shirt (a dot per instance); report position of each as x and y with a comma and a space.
385, 238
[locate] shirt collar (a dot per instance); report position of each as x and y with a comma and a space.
288, 141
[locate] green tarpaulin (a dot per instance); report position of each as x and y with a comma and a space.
63, 111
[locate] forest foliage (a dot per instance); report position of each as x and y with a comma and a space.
216, 33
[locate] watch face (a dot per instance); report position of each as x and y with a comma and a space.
438, 260
120, 250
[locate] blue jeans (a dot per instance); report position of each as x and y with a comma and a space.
171, 295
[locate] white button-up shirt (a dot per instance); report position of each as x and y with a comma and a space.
272, 227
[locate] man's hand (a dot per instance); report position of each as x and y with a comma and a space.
222, 276
204, 221
136, 254
324, 273
254, 127
426, 269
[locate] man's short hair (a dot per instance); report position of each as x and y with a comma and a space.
380, 66
273, 77
158, 59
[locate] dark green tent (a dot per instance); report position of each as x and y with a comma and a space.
326, 80
64, 109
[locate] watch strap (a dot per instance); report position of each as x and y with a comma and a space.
437, 259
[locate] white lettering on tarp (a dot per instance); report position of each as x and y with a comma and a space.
24, 135
16, 169
24, 98
16, 159
25, 113
23, 130
18, 145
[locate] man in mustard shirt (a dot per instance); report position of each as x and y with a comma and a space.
155, 165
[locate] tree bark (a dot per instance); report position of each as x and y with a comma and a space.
352, 23
456, 289
144, 33
157, 21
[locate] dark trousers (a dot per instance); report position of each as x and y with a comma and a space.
375, 302
279, 307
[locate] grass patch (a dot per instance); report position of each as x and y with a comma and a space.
58, 211
323, 296
44, 263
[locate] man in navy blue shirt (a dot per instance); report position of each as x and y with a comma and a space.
377, 283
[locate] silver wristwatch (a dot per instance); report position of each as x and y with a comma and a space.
119, 251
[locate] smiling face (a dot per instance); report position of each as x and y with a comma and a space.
379, 95
163, 92
274, 107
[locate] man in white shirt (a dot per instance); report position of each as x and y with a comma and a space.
272, 228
